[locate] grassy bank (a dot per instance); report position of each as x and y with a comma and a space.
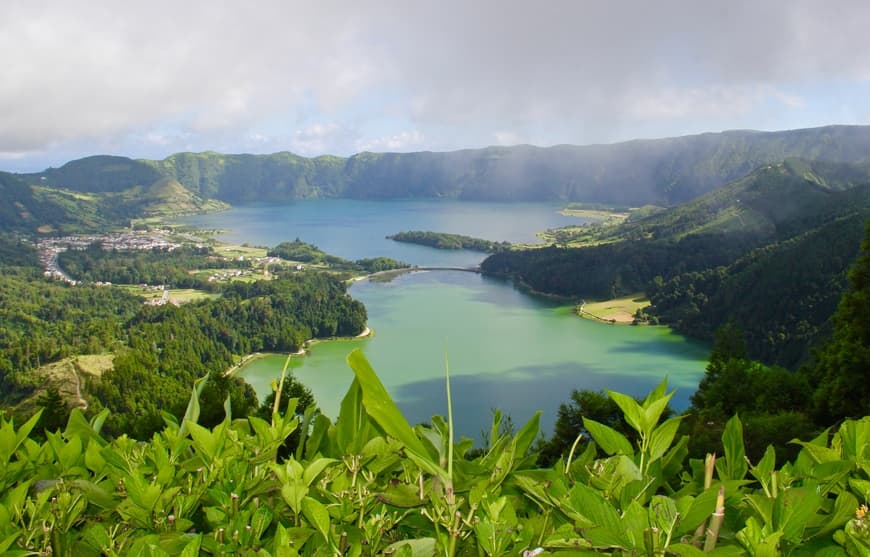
617, 311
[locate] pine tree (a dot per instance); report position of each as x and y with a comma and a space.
55, 411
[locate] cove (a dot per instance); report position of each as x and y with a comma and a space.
506, 349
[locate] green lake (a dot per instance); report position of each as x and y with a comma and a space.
505, 349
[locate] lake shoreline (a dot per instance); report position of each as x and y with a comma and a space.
366, 333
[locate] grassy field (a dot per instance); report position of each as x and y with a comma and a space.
68, 377
611, 217
228, 250
617, 310
184, 295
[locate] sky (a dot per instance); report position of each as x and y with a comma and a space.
148, 79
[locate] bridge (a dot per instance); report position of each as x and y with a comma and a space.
471, 269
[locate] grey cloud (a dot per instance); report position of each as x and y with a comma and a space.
570, 68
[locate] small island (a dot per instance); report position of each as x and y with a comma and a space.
443, 240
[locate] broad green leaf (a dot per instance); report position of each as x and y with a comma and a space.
565, 538
700, 510
204, 440
631, 410
855, 436
527, 435
607, 530
422, 547
663, 513
735, 466
653, 412
608, 438
192, 548
383, 410
796, 507
765, 467
660, 391
844, 510
635, 521
191, 414
293, 493
315, 468
317, 516
78, 426
352, 420
819, 454
662, 437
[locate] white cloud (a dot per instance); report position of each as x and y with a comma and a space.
507, 138
403, 141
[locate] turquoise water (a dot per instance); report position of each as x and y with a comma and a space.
506, 349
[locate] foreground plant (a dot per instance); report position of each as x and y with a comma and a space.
371, 484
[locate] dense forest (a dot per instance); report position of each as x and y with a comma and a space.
442, 240
769, 252
775, 404
298, 250
158, 351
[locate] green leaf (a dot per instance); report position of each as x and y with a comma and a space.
608, 438
192, 548
608, 529
634, 414
701, 508
422, 547
796, 507
315, 468
383, 410
191, 414
735, 466
662, 437
653, 412
685, 550
635, 520
527, 435
293, 493
317, 516
204, 440
352, 420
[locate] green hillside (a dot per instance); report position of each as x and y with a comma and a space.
659, 171
768, 252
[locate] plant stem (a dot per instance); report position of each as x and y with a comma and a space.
716, 522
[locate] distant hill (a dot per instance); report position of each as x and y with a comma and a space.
97, 174
31, 209
663, 172
44, 209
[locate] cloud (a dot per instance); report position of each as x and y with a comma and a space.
402, 141
103, 73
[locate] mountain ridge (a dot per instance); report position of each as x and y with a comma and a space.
665, 171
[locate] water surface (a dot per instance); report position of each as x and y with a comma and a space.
355, 229
506, 349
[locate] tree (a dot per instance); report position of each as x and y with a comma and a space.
840, 371
291, 389
55, 410
595, 405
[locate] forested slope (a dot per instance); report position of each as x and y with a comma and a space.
769, 252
